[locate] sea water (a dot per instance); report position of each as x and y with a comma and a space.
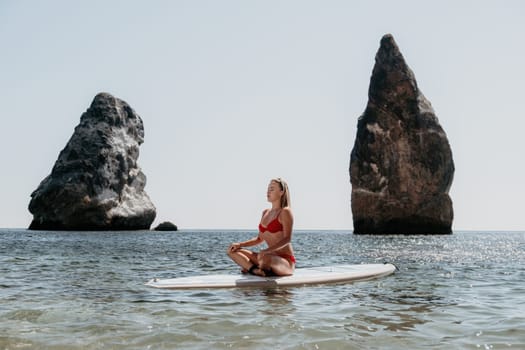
85, 290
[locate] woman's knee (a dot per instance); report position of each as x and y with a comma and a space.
230, 252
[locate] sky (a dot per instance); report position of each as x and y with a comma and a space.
234, 93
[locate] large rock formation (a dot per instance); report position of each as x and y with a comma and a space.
96, 183
401, 166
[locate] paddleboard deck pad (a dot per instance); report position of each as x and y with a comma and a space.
301, 277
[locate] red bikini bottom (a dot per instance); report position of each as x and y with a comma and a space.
288, 257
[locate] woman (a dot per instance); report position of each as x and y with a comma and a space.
275, 229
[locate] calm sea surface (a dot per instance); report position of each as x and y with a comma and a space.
85, 290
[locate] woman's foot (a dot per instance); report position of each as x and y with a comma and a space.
256, 271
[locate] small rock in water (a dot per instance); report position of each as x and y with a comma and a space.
166, 226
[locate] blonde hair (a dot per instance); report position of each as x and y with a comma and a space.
285, 198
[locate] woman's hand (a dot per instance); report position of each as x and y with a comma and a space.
234, 247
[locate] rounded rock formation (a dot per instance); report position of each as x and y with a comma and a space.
166, 226
96, 183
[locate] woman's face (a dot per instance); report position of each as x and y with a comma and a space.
274, 192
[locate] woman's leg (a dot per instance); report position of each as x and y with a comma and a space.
277, 264
244, 258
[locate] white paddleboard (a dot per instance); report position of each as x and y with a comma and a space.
301, 277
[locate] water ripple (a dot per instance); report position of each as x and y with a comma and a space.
78, 290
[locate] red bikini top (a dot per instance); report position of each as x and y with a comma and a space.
274, 226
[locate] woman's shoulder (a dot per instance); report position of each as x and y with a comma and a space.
286, 211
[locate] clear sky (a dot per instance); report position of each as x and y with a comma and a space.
233, 93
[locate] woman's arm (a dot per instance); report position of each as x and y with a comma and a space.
249, 243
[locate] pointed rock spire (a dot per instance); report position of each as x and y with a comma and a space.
401, 166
